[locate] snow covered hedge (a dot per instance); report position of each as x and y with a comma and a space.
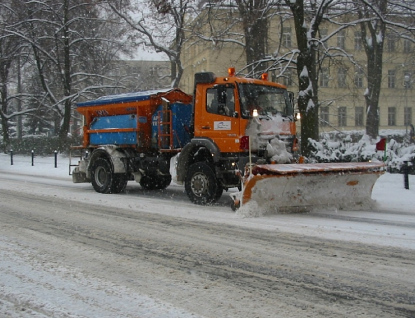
356, 146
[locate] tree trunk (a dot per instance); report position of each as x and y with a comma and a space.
5, 131
372, 97
66, 77
255, 26
3, 100
19, 101
307, 79
373, 34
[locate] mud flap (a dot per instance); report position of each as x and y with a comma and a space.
79, 176
303, 187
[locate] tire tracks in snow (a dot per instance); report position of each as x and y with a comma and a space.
309, 274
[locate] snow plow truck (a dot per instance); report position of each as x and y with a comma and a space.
234, 132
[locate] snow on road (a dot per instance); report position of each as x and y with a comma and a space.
57, 290
394, 204
35, 286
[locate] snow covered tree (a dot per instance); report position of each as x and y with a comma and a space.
72, 42
308, 15
160, 25
373, 34
254, 17
239, 22
381, 17
307, 57
310, 19
12, 55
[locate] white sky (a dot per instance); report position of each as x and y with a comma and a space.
147, 55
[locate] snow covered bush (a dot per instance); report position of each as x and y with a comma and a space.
349, 147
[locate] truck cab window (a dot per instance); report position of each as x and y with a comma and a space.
267, 100
220, 100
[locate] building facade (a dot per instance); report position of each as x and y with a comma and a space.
342, 75
140, 75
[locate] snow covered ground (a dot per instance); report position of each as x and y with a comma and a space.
394, 203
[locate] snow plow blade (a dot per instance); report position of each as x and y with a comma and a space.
303, 187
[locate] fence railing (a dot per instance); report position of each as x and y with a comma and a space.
33, 156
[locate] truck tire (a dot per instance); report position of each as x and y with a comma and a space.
101, 176
119, 183
201, 185
155, 182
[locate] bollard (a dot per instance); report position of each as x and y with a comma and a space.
56, 158
11, 157
406, 175
33, 158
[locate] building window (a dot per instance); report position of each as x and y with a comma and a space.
341, 39
342, 116
407, 79
391, 78
323, 33
358, 44
287, 79
391, 43
286, 37
358, 77
358, 116
391, 116
324, 77
323, 36
341, 77
407, 46
324, 116
407, 119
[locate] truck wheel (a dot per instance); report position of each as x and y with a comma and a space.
201, 185
119, 183
155, 182
164, 182
102, 176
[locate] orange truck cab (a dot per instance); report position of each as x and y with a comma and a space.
236, 120
143, 136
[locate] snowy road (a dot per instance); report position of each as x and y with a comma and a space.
66, 251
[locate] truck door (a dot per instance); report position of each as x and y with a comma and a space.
218, 117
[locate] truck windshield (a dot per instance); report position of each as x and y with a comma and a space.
267, 100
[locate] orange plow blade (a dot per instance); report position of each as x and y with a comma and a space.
303, 187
